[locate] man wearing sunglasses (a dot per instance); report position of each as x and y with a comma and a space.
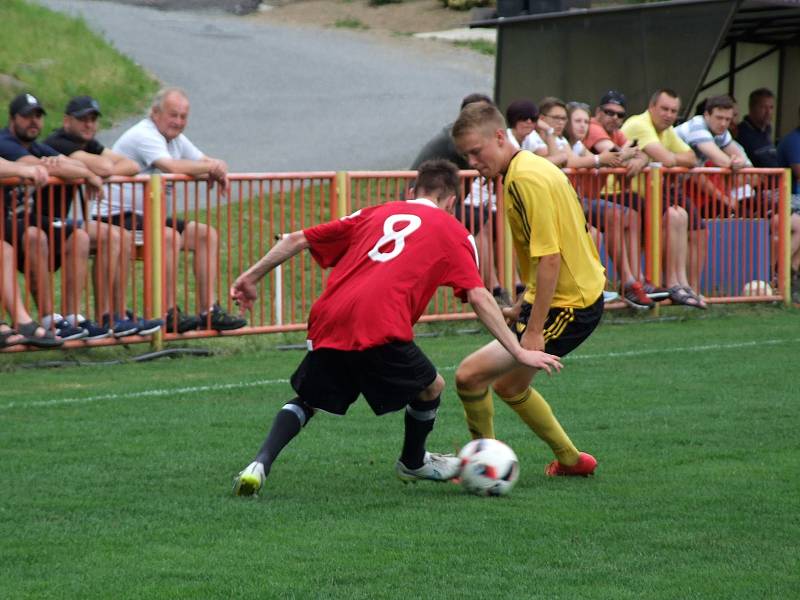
605, 133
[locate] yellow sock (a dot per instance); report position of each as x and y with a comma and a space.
535, 411
479, 412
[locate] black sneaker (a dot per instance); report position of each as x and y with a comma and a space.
220, 320
179, 323
94, 331
144, 326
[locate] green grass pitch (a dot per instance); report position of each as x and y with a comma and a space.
115, 480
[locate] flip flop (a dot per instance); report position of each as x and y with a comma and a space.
48, 340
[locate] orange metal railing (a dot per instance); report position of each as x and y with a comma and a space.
740, 233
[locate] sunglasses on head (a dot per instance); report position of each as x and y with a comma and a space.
613, 113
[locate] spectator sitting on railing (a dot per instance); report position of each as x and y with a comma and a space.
708, 136
755, 130
477, 204
621, 225
789, 156
521, 117
76, 139
28, 331
550, 128
157, 143
654, 133
35, 216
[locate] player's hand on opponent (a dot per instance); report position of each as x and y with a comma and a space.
540, 360
243, 293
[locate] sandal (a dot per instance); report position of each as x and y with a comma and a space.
48, 340
6, 335
686, 296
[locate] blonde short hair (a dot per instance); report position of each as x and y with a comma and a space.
478, 115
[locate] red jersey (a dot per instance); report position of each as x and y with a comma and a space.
387, 262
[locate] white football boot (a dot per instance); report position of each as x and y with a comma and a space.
249, 481
435, 467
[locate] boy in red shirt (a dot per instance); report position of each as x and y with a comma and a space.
388, 261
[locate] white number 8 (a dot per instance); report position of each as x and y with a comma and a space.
398, 237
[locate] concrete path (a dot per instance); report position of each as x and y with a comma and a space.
282, 98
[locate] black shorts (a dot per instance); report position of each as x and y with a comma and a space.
59, 229
565, 328
390, 376
473, 217
135, 222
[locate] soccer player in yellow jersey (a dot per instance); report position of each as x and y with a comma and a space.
559, 263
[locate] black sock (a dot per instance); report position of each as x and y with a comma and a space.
287, 424
419, 419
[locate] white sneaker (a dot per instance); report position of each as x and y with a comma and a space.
249, 481
436, 467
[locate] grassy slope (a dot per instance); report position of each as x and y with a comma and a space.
694, 423
57, 57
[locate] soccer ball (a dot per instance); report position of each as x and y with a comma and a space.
757, 288
488, 468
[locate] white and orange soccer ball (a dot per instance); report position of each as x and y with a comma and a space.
757, 288
488, 468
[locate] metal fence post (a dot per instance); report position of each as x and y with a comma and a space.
154, 227
654, 209
785, 239
342, 179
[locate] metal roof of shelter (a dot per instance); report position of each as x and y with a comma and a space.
696, 47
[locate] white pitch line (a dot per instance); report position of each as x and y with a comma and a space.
145, 394
265, 382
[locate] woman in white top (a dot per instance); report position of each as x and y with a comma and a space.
521, 116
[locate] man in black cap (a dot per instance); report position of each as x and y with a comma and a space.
76, 139
45, 210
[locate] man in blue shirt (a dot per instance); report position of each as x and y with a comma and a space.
789, 156
35, 214
755, 130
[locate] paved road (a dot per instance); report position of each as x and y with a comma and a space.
282, 98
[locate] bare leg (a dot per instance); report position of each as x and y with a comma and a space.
106, 241
36, 253
172, 247
676, 228
698, 240
10, 294
74, 267
203, 240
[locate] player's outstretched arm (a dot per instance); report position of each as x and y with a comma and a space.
489, 313
244, 290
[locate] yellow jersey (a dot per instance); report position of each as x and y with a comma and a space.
546, 217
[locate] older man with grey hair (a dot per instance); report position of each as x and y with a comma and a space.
157, 144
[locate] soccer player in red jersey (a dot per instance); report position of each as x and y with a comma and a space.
388, 261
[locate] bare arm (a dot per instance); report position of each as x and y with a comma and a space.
97, 164
546, 279
36, 174
714, 154
121, 165
244, 290
67, 168
215, 169
488, 312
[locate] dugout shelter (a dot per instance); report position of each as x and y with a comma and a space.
699, 48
